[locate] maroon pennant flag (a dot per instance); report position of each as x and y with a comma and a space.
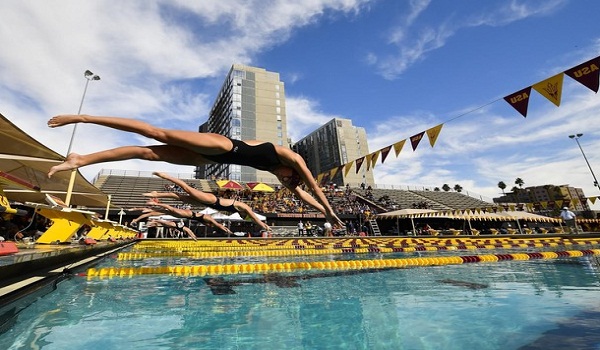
587, 73
520, 100
415, 139
385, 152
359, 162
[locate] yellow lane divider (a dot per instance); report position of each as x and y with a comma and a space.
200, 246
203, 270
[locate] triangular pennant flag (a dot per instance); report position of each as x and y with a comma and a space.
592, 199
332, 172
359, 162
398, 146
374, 158
384, 153
530, 206
551, 88
558, 203
544, 204
433, 134
320, 178
415, 139
347, 168
520, 100
368, 158
587, 73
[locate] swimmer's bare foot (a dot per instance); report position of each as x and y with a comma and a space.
152, 194
161, 175
65, 119
72, 162
153, 201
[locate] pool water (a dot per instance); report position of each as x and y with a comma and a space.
539, 304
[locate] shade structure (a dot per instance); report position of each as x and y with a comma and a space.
208, 211
229, 185
260, 187
408, 213
24, 163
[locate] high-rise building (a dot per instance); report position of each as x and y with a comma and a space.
249, 106
336, 143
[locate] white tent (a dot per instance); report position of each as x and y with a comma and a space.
208, 210
237, 217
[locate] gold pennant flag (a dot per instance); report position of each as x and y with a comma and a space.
592, 199
433, 134
559, 203
333, 172
368, 159
530, 206
347, 168
384, 153
320, 177
551, 88
544, 204
374, 158
398, 146
511, 207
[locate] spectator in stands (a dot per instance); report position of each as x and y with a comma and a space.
191, 195
195, 148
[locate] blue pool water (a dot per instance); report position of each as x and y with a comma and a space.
541, 304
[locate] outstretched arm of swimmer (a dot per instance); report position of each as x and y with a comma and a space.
294, 160
209, 220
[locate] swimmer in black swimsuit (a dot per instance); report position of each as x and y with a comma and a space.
194, 148
195, 196
180, 213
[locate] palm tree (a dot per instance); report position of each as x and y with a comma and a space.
502, 186
519, 182
446, 188
458, 188
437, 189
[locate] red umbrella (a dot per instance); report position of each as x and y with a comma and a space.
229, 185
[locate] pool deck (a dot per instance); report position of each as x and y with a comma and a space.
35, 265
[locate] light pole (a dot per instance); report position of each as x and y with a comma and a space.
89, 76
576, 138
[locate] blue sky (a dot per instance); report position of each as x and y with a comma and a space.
396, 68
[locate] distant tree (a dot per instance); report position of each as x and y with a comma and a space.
502, 186
519, 182
437, 189
458, 188
446, 188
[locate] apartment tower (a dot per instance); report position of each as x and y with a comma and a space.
336, 143
249, 106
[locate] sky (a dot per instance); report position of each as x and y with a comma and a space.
394, 67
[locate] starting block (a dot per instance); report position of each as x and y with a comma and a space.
65, 221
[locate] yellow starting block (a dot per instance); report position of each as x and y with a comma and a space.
65, 221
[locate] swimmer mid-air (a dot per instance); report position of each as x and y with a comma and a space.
195, 148
195, 196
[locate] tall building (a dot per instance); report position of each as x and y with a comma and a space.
249, 106
336, 143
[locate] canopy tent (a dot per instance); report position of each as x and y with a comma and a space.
408, 213
229, 185
25, 159
208, 211
237, 217
259, 187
